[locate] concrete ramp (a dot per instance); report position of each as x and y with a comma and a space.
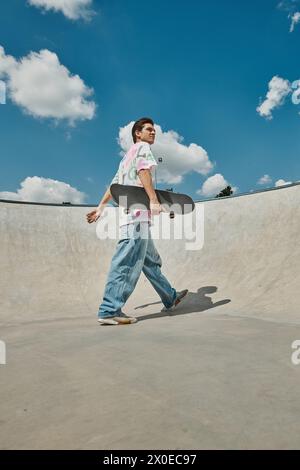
54, 266
215, 374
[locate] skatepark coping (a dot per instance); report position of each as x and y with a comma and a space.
68, 204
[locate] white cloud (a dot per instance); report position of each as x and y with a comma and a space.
278, 90
44, 88
292, 7
37, 189
295, 19
178, 159
7, 63
266, 179
282, 183
213, 185
72, 9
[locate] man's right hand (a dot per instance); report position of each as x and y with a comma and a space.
155, 207
94, 215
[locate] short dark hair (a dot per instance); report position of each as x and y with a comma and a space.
138, 126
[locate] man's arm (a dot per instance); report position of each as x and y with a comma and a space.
146, 180
96, 213
107, 196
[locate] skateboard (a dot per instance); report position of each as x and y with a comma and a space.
128, 196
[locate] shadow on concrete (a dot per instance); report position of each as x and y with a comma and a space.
194, 302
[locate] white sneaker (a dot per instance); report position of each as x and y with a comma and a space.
118, 320
179, 297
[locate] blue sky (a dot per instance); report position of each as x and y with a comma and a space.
198, 68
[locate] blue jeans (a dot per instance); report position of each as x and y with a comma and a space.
135, 253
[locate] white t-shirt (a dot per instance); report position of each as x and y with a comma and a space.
139, 157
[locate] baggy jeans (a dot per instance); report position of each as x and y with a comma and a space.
135, 253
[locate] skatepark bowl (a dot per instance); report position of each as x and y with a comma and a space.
220, 372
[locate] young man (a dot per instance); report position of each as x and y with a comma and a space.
135, 251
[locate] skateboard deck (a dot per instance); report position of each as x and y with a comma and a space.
133, 196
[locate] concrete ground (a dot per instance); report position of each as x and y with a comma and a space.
215, 374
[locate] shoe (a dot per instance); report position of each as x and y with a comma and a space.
179, 297
117, 320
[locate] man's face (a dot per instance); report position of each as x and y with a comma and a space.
147, 134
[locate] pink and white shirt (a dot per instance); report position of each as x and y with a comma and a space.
139, 157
